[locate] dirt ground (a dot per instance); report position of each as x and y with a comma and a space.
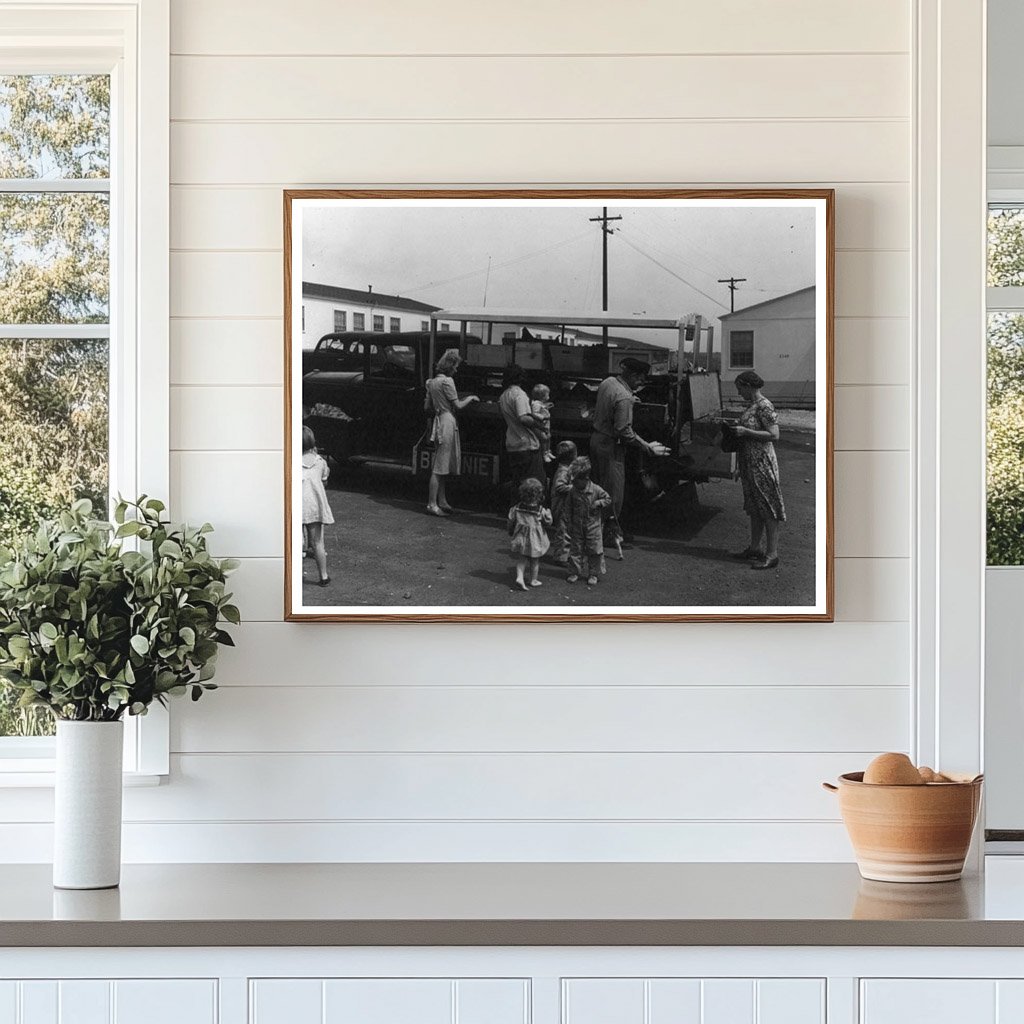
385, 550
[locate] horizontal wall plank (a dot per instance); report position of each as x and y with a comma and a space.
241, 493
332, 88
869, 351
798, 654
872, 351
533, 26
867, 589
233, 418
237, 284
872, 504
868, 216
872, 589
251, 418
227, 352
872, 418
258, 586
456, 842
375, 787
476, 152
872, 284
549, 718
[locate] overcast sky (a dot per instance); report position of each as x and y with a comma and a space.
662, 261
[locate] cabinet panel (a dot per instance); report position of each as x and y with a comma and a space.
8, 1002
693, 1001
1010, 1002
727, 1001
786, 1001
674, 1001
39, 1002
492, 1002
603, 1001
285, 1001
165, 1002
935, 1001
84, 1002
388, 1001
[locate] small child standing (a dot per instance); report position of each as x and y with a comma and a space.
316, 510
526, 522
561, 485
540, 406
585, 513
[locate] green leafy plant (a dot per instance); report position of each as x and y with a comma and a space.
91, 630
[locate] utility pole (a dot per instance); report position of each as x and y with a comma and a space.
605, 232
731, 282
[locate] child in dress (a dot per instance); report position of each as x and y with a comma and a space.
585, 514
526, 522
561, 485
540, 406
315, 508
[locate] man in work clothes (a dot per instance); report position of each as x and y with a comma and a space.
521, 442
613, 428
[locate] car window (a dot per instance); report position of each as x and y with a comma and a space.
343, 345
392, 361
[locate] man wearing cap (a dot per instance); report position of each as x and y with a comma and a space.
613, 428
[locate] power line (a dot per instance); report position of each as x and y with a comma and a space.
668, 270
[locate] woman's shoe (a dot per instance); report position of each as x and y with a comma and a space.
768, 563
447, 509
436, 510
324, 581
746, 554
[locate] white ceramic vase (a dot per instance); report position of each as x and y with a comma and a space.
87, 806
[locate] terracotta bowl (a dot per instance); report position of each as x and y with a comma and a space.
909, 833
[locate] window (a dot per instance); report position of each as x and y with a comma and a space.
358, 321
378, 323
84, 409
424, 325
508, 336
339, 320
446, 327
1005, 475
741, 349
395, 325
392, 361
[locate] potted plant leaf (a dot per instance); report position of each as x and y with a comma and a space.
99, 620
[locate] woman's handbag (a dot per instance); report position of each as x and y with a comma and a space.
427, 443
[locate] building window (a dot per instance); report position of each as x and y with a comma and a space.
508, 336
378, 323
446, 327
340, 319
395, 325
358, 321
741, 349
424, 325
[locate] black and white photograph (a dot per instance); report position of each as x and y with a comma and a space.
567, 406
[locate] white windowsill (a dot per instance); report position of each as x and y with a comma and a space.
40, 774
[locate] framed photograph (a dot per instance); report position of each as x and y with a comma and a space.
532, 405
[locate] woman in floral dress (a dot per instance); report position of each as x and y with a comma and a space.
756, 433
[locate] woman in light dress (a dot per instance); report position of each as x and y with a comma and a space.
443, 401
757, 432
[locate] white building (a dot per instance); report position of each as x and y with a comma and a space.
774, 338
327, 309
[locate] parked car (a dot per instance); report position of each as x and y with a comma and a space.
363, 396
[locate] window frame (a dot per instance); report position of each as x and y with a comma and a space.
343, 315
394, 325
129, 41
377, 323
733, 365
358, 321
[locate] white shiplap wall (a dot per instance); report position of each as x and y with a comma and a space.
680, 741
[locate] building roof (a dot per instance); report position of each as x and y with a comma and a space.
766, 302
367, 298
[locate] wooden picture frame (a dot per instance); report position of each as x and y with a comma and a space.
363, 368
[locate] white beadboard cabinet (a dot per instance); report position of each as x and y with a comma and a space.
513, 985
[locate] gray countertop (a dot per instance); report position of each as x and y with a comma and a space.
503, 905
